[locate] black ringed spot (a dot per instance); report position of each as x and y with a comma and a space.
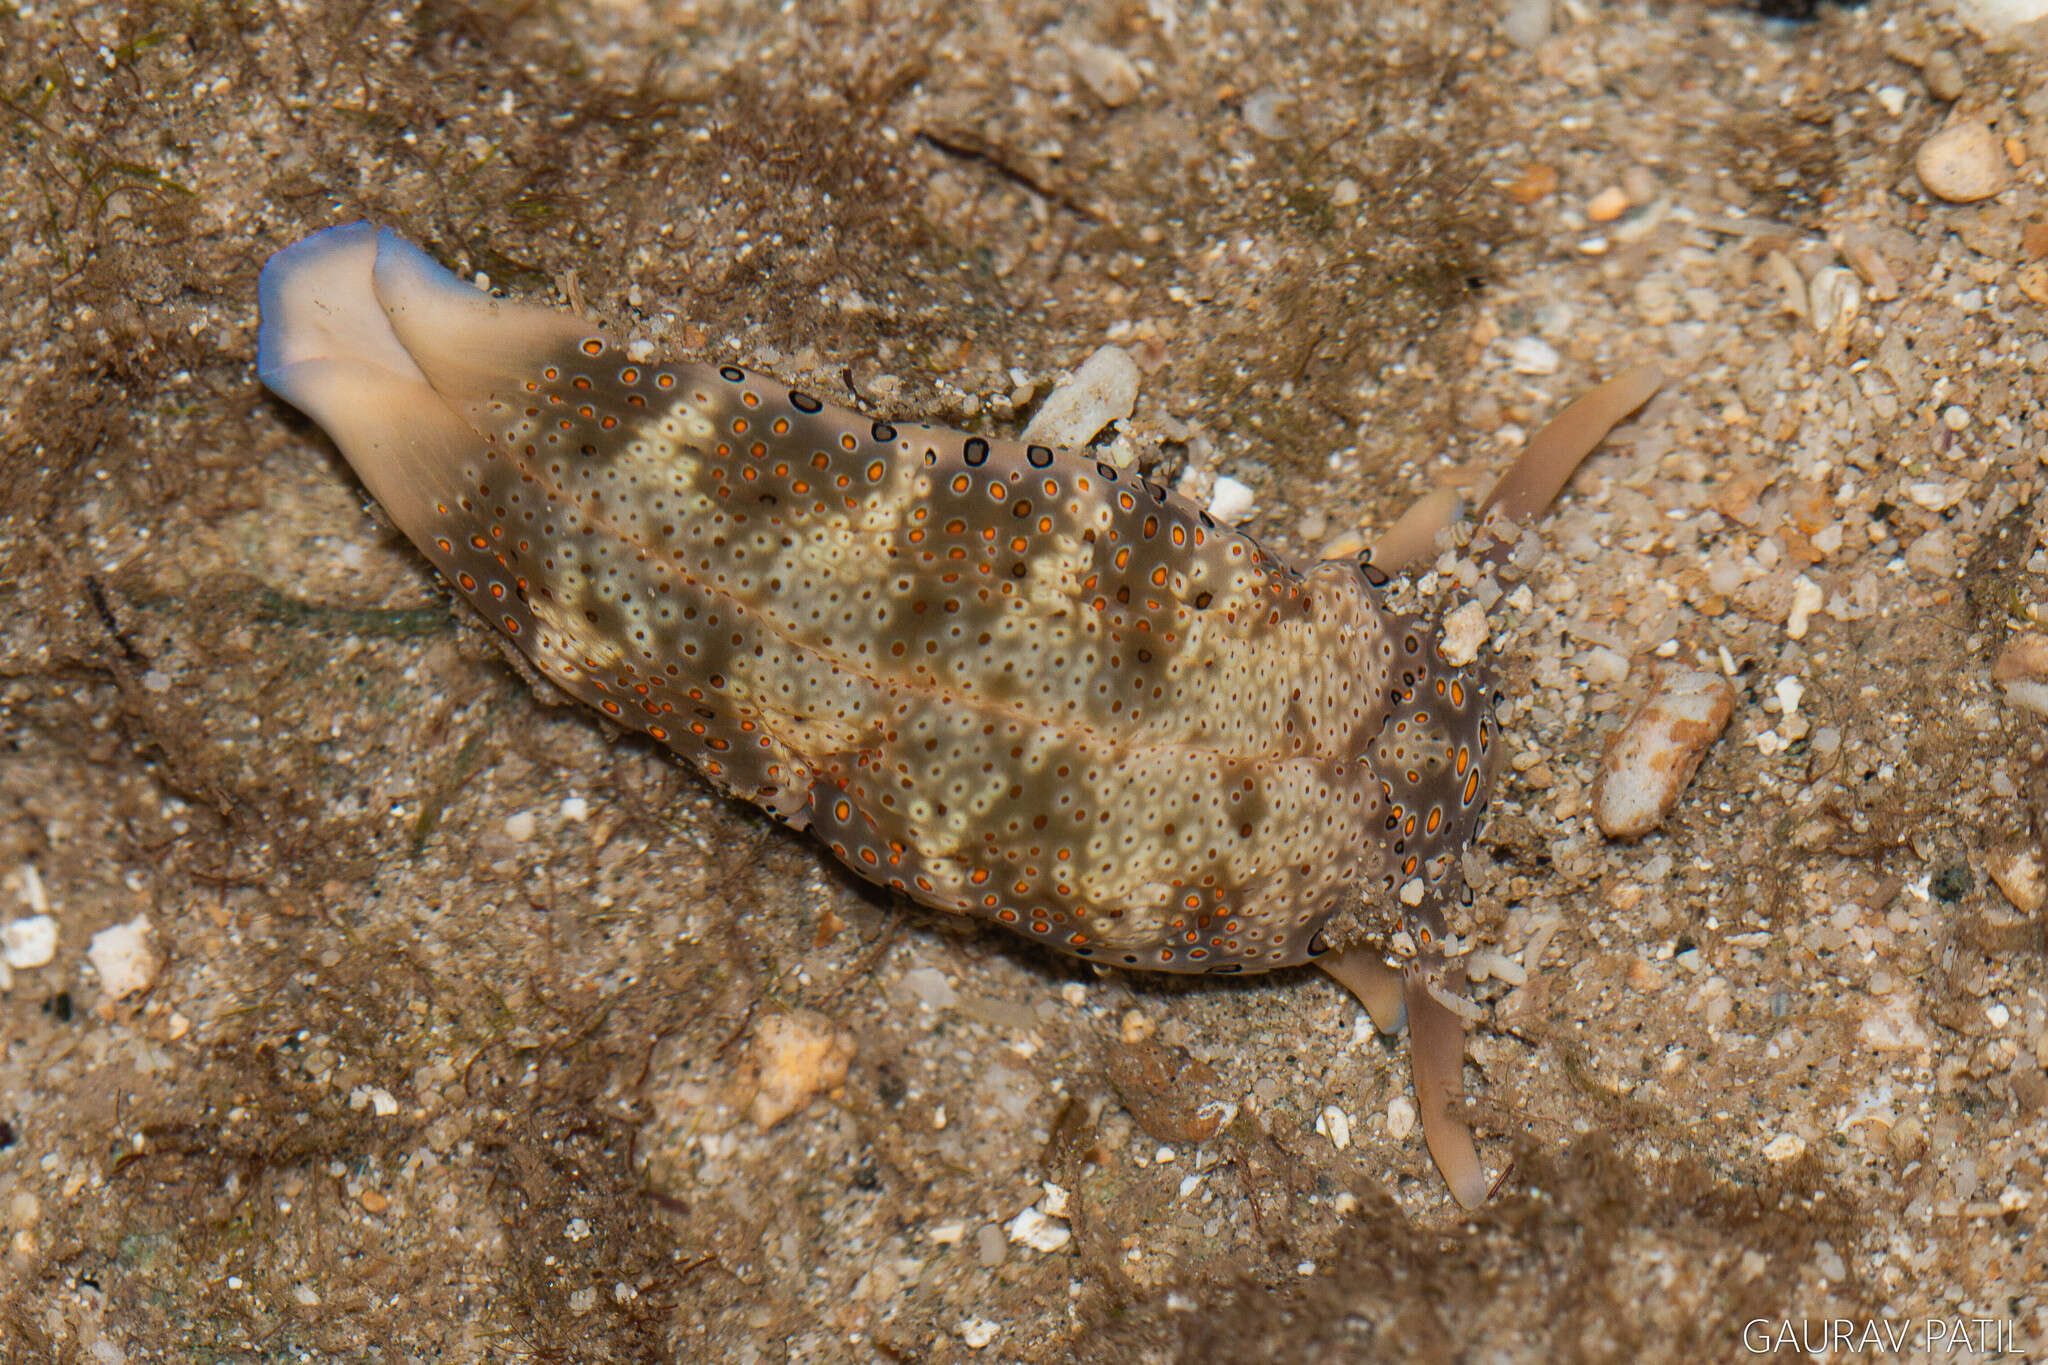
732, 374
1158, 493
976, 452
1107, 471
803, 402
1040, 456
883, 432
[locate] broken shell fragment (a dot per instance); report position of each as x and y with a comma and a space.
1652, 758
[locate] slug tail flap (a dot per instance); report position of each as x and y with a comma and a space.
326, 346
480, 353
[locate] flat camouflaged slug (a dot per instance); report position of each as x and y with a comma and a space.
1008, 681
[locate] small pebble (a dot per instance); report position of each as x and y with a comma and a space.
575, 809
1533, 355
1605, 666
977, 1332
1833, 298
1138, 1026
1944, 75
1266, 112
2022, 670
519, 826
1401, 1117
29, 942
1109, 75
1464, 631
1032, 1228
1103, 390
1785, 1147
794, 1058
930, 988
1653, 757
1526, 22
1231, 500
1892, 1027
2020, 875
1334, 1124
1963, 163
1538, 181
1870, 266
124, 959
1807, 598
990, 1246
1607, 205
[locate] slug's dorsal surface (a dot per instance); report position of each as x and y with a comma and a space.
1007, 680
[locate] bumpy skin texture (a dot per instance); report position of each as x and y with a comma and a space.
1009, 681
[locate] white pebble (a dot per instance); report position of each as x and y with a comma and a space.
1807, 598
1231, 500
124, 959
1103, 390
1790, 692
1785, 1147
978, 1332
1334, 1124
1533, 355
29, 942
575, 809
1033, 1229
1653, 757
519, 826
1487, 965
1963, 163
1464, 633
1401, 1116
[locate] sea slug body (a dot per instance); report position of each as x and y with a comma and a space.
1004, 679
